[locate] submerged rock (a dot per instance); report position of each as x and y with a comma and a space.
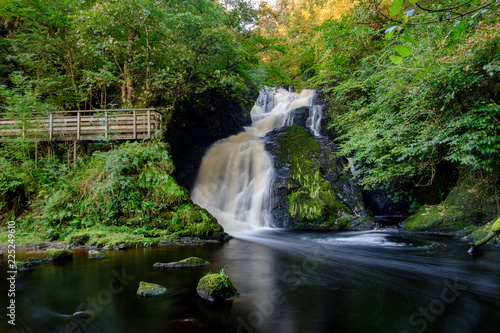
24, 266
216, 287
58, 255
93, 254
147, 289
188, 262
33, 260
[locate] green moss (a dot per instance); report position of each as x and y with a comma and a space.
312, 201
467, 208
58, 255
216, 287
147, 289
24, 266
33, 260
496, 225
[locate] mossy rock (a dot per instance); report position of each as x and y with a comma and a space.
93, 254
33, 260
147, 289
188, 262
58, 255
496, 226
78, 239
24, 266
216, 288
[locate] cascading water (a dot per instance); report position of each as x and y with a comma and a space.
236, 173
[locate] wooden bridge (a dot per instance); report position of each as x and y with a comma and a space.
85, 125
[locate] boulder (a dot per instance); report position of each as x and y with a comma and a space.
33, 260
216, 287
188, 262
24, 266
58, 255
93, 254
147, 289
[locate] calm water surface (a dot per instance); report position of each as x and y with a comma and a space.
288, 281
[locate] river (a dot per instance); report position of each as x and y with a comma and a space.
288, 281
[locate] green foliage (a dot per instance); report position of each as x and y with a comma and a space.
434, 100
90, 54
132, 186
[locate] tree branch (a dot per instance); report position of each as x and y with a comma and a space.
441, 10
454, 17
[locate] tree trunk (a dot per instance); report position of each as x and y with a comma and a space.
128, 84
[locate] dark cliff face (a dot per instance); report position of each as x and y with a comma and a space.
192, 131
312, 188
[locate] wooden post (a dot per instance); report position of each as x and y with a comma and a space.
51, 128
135, 125
106, 123
149, 124
75, 157
78, 125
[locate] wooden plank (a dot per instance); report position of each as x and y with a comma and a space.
50, 128
78, 128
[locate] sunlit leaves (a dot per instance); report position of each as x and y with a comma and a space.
396, 7
403, 50
396, 59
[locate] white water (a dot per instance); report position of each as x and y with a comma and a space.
236, 173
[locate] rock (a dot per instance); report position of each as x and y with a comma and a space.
147, 289
216, 287
496, 226
188, 262
58, 255
312, 188
24, 266
33, 260
93, 254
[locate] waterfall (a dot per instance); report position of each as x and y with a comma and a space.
236, 173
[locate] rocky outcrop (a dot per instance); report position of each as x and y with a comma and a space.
312, 188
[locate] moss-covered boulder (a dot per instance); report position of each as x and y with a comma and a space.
58, 255
147, 289
33, 260
216, 287
94, 254
24, 266
188, 262
311, 187
467, 209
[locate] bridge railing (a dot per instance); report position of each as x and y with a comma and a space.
85, 125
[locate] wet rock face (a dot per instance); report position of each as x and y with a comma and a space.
311, 188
